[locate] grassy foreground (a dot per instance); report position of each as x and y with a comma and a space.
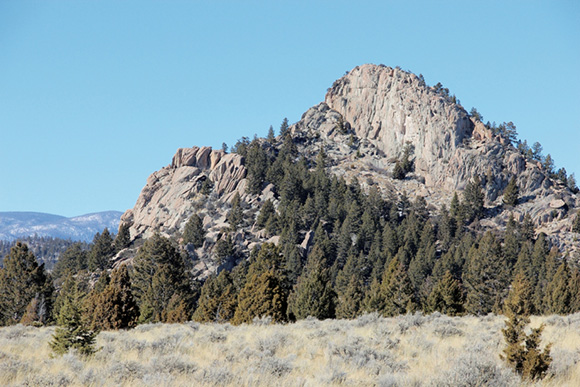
412, 350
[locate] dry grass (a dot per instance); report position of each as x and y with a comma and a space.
412, 350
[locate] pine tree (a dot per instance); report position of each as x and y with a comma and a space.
257, 165
473, 200
558, 298
421, 266
177, 310
72, 332
313, 294
194, 232
519, 300
350, 300
575, 291
447, 228
397, 290
73, 260
447, 296
123, 238
576, 223
101, 251
271, 136
398, 171
224, 248
218, 300
511, 243
159, 272
236, 215
21, 280
522, 352
511, 193
114, 307
486, 276
374, 300
548, 164
284, 127
263, 295
266, 212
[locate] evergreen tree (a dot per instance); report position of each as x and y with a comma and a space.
218, 300
571, 183
548, 164
284, 127
486, 277
350, 300
447, 296
266, 212
397, 290
224, 248
455, 206
421, 266
527, 229
558, 298
313, 294
257, 166
271, 136
537, 151
511, 193
576, 223
77, 285
447, 228
398, 171
519, 300
73, 260
407, 163
177, 310
22, 280
544, 267
293, 261
159, 272
114, 307
101, 251
194, 232
72, 332
374, 300
123, 238
575, 291
236, 215
511, 243
263, 295
524, 266
473, 200
522, 352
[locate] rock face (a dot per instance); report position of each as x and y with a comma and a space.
391, 107
366, 120
167, 200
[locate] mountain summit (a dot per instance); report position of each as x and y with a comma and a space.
373, 121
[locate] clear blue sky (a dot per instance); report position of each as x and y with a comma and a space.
97, 95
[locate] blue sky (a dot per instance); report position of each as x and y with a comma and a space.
97, 95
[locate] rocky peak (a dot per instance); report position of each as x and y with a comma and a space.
168, 199
391, 107
367, 118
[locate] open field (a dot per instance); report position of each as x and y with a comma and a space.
412, 350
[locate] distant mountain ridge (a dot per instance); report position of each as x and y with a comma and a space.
14, 225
